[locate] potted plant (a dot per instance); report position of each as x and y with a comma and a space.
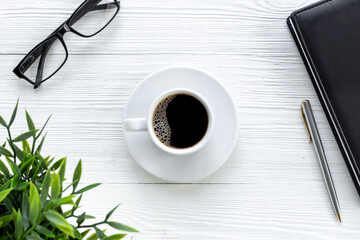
33, 194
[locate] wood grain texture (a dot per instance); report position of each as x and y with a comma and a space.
270, 188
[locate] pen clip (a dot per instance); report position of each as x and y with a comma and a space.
306, 126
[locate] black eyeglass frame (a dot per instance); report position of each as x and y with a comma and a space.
59, 34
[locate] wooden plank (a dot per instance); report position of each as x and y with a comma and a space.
254, 211
182, 26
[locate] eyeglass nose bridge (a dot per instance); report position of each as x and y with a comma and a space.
64, 28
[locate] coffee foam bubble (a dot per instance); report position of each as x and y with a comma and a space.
160, 122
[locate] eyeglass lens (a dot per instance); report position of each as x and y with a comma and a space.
44, 60
93, 16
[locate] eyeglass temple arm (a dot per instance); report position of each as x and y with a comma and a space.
40, 70
35, 55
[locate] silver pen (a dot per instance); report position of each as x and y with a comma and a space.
314, 136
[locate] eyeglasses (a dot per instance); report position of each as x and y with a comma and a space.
44, 60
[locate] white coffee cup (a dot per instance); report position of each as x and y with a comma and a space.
145, 124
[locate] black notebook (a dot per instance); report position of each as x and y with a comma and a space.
327, 35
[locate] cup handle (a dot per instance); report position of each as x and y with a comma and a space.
135, 124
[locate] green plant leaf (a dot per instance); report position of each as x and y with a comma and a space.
77, 234
87, 188
26, 145
42, 129
59, 221
64, 190
39, 148
15, 215
14, 168
77, 175
42, 160
67, 213
4, 194
93, 236
13, 114
111, 212
44, 231
25, 154
55, 186
35, 204
99, 233
62, 171
65, 200
26, 165
5, 185
14, 181
81, 219
57, 164
45, 188
115, 237
84, 233
49, 205
77, 203
18, 152
6, 219
25, 208
122, 227
18, 225
5, 152
48, 162
34, 171
21, 186
9, 206
30, 122
33, 236
2, 122
4, 169
25, 136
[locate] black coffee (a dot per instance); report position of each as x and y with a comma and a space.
180, 121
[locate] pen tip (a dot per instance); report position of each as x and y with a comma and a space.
339, 217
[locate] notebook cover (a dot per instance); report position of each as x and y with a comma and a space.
327, 35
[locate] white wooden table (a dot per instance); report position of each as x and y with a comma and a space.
270, 188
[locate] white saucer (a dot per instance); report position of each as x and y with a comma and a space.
192, 167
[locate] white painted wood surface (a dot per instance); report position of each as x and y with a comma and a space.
270, 188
